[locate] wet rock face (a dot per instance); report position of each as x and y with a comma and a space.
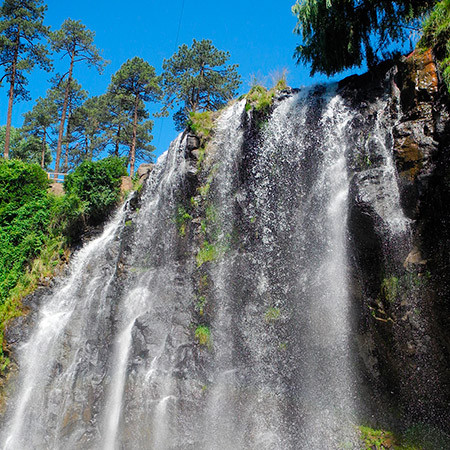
400, 263
252, 243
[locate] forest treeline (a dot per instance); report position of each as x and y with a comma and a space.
73, 127
66, 126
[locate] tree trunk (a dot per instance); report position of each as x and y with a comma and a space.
63, 114
43, 147
116, 151
66, 156
11, 97
133, 142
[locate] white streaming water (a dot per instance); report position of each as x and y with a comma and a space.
117, 365
53, 332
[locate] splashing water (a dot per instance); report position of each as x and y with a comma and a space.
112, 362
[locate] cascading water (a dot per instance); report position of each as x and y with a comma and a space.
113, 362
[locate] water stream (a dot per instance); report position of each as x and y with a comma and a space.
113, 362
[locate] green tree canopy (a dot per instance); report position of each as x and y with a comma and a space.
198, 79
21, 32
134, 83
37, 125
87, 126
76, 42
25, 147
341, 34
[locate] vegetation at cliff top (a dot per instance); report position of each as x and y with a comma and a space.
436, 34
37, 227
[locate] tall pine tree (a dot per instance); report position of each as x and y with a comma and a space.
135, 82
22, 30
37, 124
76, 42
198, 78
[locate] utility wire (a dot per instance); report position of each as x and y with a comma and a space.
174, 50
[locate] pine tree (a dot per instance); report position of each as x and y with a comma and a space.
198, 78
88, 127
69, 95
38, 122
134, 83
76, 42
21, 33
118, 121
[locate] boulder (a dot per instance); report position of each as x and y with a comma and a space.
144, 171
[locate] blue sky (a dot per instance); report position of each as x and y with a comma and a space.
257, 34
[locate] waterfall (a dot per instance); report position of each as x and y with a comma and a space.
113, 361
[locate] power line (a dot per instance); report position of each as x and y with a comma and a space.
174, 50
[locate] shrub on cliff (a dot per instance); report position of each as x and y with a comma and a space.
94, 188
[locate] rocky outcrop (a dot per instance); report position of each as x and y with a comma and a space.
400, 264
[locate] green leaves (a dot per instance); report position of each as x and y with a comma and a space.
97, 185
21, 30
25, 212
136, 78
341, 34
436, 35
198, 79
76, 41
133, 84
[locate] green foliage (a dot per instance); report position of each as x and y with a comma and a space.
97, 186
21, 32
210, 252
134, 83
390, 288
181, 219
259, 98
19, 184
377, 439
436, 34
204, 190
203, 335
341, 34
207, 252
74, 39
76, 42
25, 147
200, 305
37, 123
201, 123
27, 216
417, 437
198, 79
272, 314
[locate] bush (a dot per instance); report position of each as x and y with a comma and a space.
19, 183
36, 226
97, 186
203, 336
201, 123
